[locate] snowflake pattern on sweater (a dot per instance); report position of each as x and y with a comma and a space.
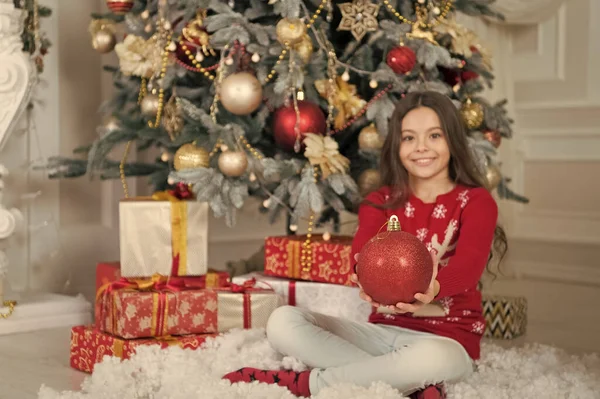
459, 227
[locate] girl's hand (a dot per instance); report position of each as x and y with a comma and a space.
361, 293
421, 299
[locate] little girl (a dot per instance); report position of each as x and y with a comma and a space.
431, 183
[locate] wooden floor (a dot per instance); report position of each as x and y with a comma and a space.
31, 359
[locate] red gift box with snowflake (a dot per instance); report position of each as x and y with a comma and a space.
325, 261
161, 306
89, 345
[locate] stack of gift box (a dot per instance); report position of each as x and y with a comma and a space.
162, 291
320, 282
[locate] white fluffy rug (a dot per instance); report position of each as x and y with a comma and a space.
535, 371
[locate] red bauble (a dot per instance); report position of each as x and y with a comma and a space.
493, 137
312, 120
120, 7
468, 75
394, 266
401, 59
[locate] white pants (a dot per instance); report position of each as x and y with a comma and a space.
340, 350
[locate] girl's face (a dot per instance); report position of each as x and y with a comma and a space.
424, 150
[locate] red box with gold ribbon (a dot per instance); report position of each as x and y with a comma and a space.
329, 260
89, 345
159, 306
165, 234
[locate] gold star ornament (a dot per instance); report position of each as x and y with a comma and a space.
359, 17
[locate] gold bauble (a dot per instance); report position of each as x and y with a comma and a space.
189, 156
368, 138
241, 93
233, 163
149, 105
493, 176
290, 31
472, 114
368, 181
304, 48
104, 41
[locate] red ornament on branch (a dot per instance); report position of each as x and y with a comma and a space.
312, 120
394, 266
120, 7
401, 59
493, 137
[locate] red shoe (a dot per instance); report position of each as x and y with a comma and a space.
431, 392
296, 383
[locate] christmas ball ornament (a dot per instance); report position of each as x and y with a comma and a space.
493, 137
304, 48
394, 266
233, 163
401, 59
312, 120
368, 181
493, 176
368, 138
149, 105
104, 41
189, 156
290, 31
120, 7
468, 75
472, 114
241, 93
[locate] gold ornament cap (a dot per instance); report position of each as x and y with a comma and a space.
393, 223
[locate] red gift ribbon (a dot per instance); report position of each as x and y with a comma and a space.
292, 293
246, 288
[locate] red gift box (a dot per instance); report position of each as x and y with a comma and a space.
89, 346
330, 260
107, 272
158, 307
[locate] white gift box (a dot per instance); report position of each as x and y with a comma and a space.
165, 237
330, 299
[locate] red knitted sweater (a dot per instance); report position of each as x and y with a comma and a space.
460, 226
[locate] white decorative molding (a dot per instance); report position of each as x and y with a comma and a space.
47, 311
547, 62
16, 69
557, 226
563, 273
559, 73
576, 144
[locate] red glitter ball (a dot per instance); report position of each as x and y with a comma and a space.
394, 266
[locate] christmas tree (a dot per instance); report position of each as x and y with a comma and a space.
286, 100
